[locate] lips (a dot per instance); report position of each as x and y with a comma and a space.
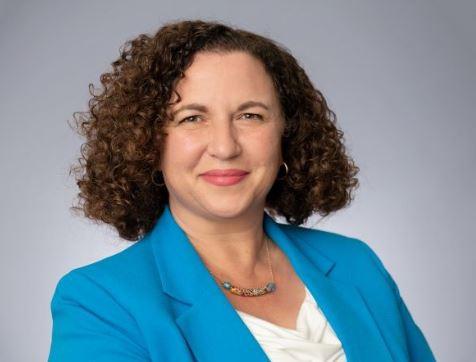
224, 177
226, 173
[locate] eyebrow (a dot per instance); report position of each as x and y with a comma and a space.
203, 108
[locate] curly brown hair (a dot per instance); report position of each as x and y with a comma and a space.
124, 130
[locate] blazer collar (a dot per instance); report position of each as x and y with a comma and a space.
209, 321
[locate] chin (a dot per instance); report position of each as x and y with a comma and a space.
225, 209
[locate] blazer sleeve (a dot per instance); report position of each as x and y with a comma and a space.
90, 325
418, 347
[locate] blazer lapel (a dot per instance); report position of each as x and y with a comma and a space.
209, 322
341, 302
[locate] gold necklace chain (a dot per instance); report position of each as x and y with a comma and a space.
251, 292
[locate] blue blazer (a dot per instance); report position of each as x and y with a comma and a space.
156, 301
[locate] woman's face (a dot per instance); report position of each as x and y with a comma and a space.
229, 117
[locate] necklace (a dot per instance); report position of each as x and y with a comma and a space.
251, 292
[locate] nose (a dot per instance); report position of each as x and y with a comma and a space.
223, 140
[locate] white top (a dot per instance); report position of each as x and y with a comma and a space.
313, 340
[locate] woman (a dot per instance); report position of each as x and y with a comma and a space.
198, 130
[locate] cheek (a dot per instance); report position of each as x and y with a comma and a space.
179, 150
266, 147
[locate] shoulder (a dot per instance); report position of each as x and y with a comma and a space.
95, 307
352, 262
114, 278
335, 246
353, 259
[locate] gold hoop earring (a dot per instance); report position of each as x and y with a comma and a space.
153, 179
287, 170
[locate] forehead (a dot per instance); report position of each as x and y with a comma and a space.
226, 75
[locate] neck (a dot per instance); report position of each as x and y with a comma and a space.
234, 248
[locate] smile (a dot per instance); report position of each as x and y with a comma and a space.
224, 180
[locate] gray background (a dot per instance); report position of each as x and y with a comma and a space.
400, 76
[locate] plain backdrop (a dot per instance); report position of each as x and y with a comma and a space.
400, 76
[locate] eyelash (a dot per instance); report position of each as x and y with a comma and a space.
252, 114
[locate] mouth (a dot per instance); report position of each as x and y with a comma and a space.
227, 180
231, 172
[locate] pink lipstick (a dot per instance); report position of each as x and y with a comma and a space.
225, 177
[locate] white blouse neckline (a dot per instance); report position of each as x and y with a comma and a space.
307, 299
313, 340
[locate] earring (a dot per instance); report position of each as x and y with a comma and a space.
153, 179
287, 170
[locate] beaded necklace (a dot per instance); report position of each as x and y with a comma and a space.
251, 292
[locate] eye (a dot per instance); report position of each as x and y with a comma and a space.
189, 119
252, 116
